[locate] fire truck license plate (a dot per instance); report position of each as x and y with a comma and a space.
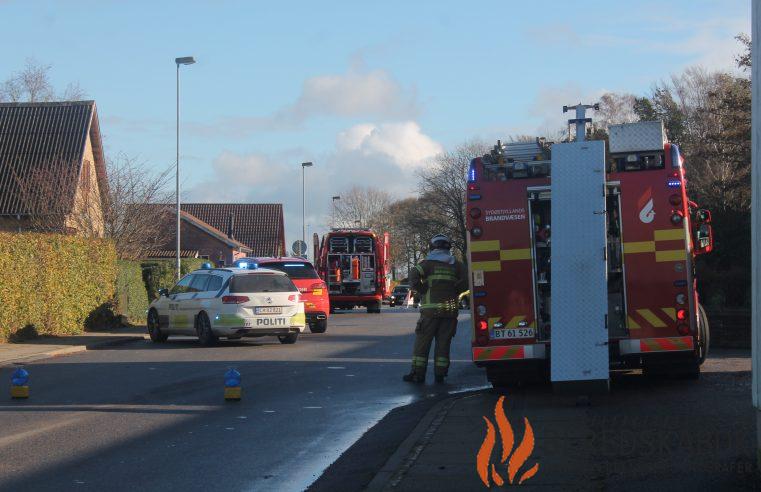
512, 333
268, 310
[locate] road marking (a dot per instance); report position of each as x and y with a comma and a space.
336, 367
312, 408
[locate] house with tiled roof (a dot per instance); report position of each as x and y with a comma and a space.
52, 169
260, 226
198, 239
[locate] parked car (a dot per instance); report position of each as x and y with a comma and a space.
231, 303
314, 292
399, 296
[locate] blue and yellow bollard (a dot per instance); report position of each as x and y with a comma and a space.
232, 385
20, 383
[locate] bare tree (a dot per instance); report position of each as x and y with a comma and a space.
32, 84
130, 218
442, 186
363, 207
61, 198
615, 109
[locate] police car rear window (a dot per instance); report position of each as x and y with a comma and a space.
294, 269
261, 283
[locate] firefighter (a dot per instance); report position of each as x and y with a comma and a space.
438, 280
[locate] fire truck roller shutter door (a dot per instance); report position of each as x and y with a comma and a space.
579, 297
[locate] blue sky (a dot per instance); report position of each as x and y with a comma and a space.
368, 91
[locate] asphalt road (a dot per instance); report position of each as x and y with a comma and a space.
146, 416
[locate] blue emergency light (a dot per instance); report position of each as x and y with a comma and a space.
674, 183
247, 265
472, 172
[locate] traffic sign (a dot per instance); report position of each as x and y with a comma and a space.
299, 248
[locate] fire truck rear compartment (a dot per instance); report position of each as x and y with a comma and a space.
539, 206
351, 260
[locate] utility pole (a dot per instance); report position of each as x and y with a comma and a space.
185, 60
756, 219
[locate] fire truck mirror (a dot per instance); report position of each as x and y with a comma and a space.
704, 216
704, 238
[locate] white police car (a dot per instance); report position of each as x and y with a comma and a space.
228, 302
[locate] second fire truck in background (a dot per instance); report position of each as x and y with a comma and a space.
354, 265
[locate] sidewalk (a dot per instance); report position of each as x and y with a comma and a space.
662, 435
44, 347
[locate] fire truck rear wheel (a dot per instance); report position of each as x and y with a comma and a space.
705, 333
374, 307
319, 326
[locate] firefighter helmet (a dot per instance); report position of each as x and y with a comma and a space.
440, 241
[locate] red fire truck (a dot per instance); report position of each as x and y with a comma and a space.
582, 258
354, 265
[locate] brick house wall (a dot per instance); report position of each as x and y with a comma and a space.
207, 246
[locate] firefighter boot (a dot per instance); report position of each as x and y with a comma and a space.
414, 377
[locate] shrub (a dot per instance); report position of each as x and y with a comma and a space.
161, 273
131, 299
51, 283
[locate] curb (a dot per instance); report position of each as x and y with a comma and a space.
409, 450
111, 341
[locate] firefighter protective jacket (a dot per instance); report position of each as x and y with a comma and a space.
439, 285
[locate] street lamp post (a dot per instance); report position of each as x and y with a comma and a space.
304, 165
185, 60
333, 220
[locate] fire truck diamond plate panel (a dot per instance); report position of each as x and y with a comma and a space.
579, 299
637, 137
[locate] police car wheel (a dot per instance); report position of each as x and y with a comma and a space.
203, 328
288, 339
319, 326
154, 331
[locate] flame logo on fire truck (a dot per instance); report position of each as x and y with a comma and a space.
645, 204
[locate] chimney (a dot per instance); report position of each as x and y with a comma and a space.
231, 227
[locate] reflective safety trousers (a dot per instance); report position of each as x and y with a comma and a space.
428, 329
439, 285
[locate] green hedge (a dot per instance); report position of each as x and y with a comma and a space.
51, 284
131, 295
161, 273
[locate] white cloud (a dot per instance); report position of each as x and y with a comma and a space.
383, 156
357, 93
403, 143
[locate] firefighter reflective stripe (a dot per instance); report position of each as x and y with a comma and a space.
448, 276
442, 361
513, 323
420, 270
651, 318
418, 361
